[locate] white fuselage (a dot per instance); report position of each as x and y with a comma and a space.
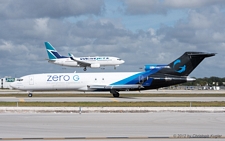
68, 81
64, 62
93, 62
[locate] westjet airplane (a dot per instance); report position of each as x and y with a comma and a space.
154, 77
92, 62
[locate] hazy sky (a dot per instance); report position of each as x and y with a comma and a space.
138, 31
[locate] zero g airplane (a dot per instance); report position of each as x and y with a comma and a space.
154, 77
92, 62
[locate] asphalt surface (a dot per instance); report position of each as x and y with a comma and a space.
112, 126
123, 97
103, 99
162, 125
7, 91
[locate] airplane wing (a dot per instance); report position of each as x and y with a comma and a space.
81, 63
133, 86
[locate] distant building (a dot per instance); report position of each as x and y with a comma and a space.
6, 81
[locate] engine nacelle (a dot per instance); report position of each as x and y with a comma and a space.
152, 67
95, 65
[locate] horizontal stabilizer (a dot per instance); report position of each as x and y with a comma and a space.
205, 54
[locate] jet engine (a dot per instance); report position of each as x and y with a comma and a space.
95, 65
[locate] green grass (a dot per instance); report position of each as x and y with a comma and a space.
112, 104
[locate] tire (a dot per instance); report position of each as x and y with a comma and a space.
116, 95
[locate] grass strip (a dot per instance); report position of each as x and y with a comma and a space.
112, 104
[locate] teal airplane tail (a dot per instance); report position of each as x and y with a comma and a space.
52, 52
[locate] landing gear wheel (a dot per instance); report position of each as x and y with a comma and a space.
85, 69
30, 95
115, 93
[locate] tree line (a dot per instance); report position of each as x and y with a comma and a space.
211, 81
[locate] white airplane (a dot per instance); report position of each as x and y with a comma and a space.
154, 77
71, 61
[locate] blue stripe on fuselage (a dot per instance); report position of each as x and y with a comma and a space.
135, 79
128, 80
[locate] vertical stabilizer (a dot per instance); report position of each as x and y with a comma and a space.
52, 52
185, 64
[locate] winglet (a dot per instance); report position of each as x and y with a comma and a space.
71, 56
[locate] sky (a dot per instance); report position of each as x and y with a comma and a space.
137, 31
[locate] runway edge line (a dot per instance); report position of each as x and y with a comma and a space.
109, 109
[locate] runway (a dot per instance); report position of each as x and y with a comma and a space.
160, 91
156, 124
116, 126
104, 99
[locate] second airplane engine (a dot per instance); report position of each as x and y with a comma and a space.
95, 65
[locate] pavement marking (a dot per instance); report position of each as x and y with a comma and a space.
21, 100
114, 100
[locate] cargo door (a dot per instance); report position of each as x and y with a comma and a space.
31, 80
141, 79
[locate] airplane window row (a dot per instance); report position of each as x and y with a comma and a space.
103, 58
102, 79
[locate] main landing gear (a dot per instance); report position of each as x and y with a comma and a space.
115, 93
85, 68
30, 94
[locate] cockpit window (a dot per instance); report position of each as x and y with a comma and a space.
119, 59
19, 79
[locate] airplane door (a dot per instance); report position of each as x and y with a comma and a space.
31, 80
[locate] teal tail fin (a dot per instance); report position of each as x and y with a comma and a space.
52, 52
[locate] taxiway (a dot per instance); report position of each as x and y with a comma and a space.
103, 99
